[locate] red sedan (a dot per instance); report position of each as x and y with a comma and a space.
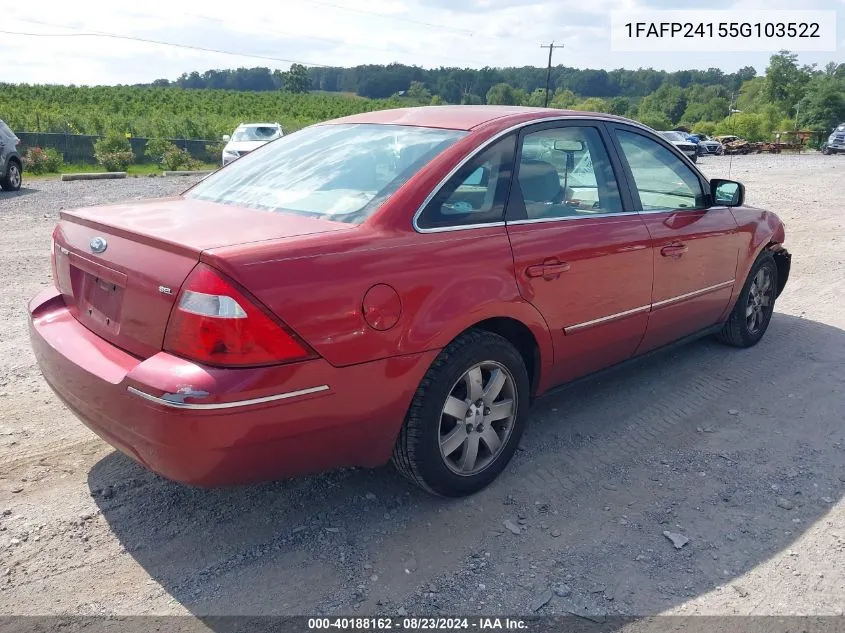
393, 285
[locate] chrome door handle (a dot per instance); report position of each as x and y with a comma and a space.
548, 270
675, 250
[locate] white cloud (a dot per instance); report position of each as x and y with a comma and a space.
471, 33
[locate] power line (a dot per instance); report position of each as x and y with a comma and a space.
151, 41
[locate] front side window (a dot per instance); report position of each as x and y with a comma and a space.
340, 172
566, 172
663, 180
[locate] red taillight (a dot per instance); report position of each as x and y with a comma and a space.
215, 323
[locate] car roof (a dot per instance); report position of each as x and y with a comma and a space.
463, 117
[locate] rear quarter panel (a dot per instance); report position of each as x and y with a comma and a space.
446, 282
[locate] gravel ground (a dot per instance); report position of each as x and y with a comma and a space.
742, 452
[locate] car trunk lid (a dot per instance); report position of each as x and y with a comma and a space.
120, 267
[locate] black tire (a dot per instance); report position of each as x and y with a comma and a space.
737, 330
826, 151
694, 158
12, 180
417, 453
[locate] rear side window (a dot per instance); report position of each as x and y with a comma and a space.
663, 180
476, 193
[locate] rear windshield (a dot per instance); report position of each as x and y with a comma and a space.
256, 133
338, 172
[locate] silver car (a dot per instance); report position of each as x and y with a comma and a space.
11, 165
679, 140
836, 141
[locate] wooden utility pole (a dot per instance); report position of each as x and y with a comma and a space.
551, 48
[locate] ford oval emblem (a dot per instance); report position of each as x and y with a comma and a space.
98, 244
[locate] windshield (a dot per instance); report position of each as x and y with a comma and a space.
256, 133
674, 136
337, 172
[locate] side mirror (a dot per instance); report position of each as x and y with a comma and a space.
226, 137
727, 193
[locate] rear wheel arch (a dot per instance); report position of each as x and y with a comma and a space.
521, 337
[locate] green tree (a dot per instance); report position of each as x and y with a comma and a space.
785, 81
655, 121
618, 105
437, 100
501, 94
563, 99
592, 104
823, 107
297, 79
419, 92
537, 99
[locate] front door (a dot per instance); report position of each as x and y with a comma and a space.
695, 248
582, 255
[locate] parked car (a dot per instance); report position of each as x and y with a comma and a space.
707, 145
11, 166
836, 141
399, 284
679, 140
247, 137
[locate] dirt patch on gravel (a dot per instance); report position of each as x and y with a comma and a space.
740, 452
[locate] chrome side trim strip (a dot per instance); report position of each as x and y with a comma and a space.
484, 146
175, 401
612, 317
570, 217
690, 295
462, 227
665, 302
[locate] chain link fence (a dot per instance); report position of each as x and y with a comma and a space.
79, 148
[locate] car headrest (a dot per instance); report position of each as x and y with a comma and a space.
539, 181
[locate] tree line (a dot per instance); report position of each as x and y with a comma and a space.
206, 105
455, 85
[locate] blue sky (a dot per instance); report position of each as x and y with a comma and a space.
429, 33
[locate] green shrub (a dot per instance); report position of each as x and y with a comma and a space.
215, 149
114, 152
156, 149
40, 161
176, 158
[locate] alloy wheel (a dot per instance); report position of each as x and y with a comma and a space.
760, 300
14, 176
477, 418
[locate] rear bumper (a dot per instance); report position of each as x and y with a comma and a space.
240, 425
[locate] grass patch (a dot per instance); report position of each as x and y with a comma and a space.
144, 169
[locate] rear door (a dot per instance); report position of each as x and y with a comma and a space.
582, 254
695, 247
